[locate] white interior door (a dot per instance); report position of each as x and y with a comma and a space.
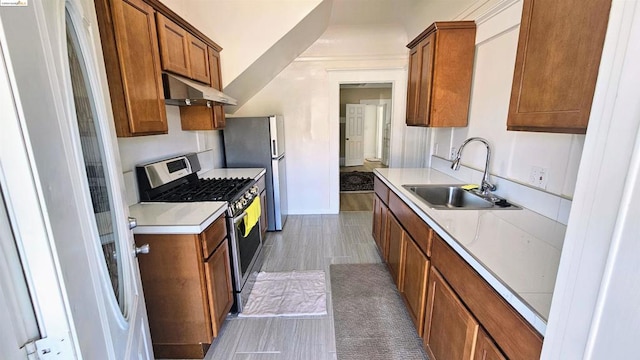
370, 115
354, 135
380, 113
60, 82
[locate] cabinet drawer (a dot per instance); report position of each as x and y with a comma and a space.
510, 331
381, 190
415, 226
213, 236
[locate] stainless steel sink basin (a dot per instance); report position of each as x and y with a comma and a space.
453, 197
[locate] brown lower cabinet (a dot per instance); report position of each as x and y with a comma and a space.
451, 331
380, 226
187, 287
486, 349
457, 313
414, 282
396, 250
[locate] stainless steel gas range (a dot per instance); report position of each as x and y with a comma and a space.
176, 180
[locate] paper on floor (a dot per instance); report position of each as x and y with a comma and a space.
292, 293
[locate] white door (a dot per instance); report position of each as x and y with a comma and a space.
354, 135
53, 47
18, 324
370, 131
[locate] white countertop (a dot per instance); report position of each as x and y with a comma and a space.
516, 251
233, 173
189, 217
176, 218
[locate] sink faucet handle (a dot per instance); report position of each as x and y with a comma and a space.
487, 186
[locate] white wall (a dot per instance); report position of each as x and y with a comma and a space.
141, 149
136, 150
421, 14
594, 313
301, 94
513, 152
245, 29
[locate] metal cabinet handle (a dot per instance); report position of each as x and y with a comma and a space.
133, 222
144, 249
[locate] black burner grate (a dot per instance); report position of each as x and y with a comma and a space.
205, 190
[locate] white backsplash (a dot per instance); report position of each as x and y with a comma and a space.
550, 205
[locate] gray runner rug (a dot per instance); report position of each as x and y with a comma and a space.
370, 318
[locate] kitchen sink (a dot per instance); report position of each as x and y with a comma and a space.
454, 197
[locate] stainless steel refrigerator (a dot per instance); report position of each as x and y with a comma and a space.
259, 142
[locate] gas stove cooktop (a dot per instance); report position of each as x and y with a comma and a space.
205, 190
176, 180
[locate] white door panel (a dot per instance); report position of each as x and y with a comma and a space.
60, 82
18, 323
354, 135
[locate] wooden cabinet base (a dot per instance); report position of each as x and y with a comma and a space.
188, 290
180, 351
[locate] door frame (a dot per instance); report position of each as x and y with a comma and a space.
397, 76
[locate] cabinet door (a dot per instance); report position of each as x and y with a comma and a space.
174, 288
413, 84
450, 330
198, 60
396, 250
486, 349
263, 212
423, 107
414, 282
215, 69
557, 63
219, 287
202, 117
219, 119
440, 73
132, 60
174, 46
380, 226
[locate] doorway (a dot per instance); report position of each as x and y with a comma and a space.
364, 138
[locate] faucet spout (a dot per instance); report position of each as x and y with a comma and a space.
486, 186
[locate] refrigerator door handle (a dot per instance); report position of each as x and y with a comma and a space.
274, 148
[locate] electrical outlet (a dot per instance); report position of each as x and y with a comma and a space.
538, 177
453, 153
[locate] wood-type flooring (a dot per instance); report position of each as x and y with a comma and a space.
354, 201
308, 242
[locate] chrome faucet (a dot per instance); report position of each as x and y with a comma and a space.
486, 186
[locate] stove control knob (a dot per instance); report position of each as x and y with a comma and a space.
254, 190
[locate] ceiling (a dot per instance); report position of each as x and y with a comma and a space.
369, 12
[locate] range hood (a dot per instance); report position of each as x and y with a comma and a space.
181, 91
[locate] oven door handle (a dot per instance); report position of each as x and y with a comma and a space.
240, 217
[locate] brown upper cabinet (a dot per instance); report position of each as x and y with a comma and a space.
206, 117
557, 63
199, 60
182, 53
215, 68
132, 61
440, 72
140, 39
174, 46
